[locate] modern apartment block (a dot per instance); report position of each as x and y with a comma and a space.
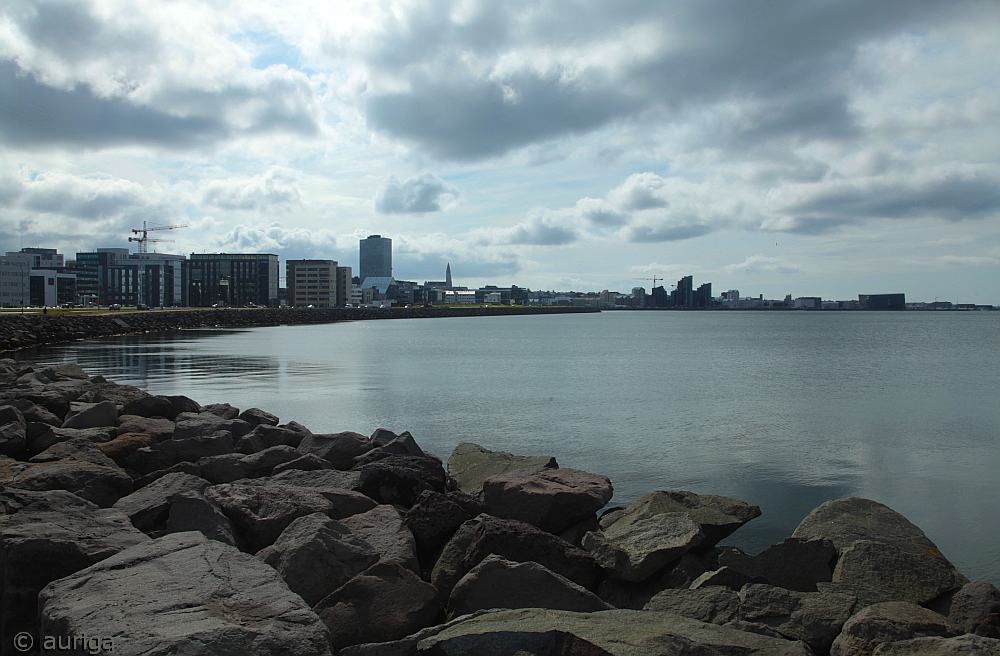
319, 283
233, 279
375, 257
15, 278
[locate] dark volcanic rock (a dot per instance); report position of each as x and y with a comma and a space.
433, 519
184, 594
975, 608
794, 564
94, 415
521, 542
815, 618
715, 604
45, 536
551, 499
339, 449
385, 602
635, 550
255, 417
383, 528
400, 479
160, 428
150, 406
316, 555
192, 511
886, 622
499, 583
149, 507
98, 484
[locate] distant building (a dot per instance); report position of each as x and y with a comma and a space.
152, 279
51, 288
702, 297
92, 274
683, 293
39, 258
15, 283
319, 283
233, 279
882, 301
808, 303
447, 277
375, 257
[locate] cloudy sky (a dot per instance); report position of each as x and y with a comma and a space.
804, 147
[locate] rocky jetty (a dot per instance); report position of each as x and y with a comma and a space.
24, 330
139, 524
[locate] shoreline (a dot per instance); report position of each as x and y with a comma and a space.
23, 331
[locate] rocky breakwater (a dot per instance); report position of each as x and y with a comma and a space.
138, 524
19, 331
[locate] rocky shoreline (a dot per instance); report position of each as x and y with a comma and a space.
20, 331
139, 524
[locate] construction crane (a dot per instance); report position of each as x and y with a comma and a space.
654, 279
144, 239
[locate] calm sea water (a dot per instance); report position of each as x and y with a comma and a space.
784, 410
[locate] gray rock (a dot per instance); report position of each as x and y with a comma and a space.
449, 568
261, 463
339, 449
627, 594
308, 462
471, 464
96, 415
815, 618
66, 371
260, 513
715, 604
224, 468
384, 529
615, 632
724, 576
181, 404
148, 508
264, 436
188, 425
404, 646
124, 445
180, 468
183, 449
13, 431
793, 564
433, 519
36, 443
400, 479
79, 449
316, 555
32, 412
192, 511
975, 608
222, 410
885, 572
332, 479
45, 536
256, 417
183, 594
385, 602
499, 583
401, 445
966, 645
150, 406
717, 516
890, 621
161, 429
551, 499
95, 483
521, 542
635, 550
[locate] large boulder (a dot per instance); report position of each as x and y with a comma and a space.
399, 479
433, 519
120, 448
323, 479
717, 516
602, 633
13, 431
180, 449
160, 428
883, 556
964, 645
38, 441
256, 417
316, 555
975, 608
635, 595
400, 445
206, 423
149, 507
192, 511
470, 465
449, 567
385, 602
384, 529
33, 412
890, 621
815, 618
264, 436
551, 499
499, 583
99, 484
793, 564
521, 542
636, 549
339, 449
93, 415
80, 449
150, 406
261, 512
715, 604
183, 594
45, 536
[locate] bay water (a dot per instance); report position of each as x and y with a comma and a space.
781, 409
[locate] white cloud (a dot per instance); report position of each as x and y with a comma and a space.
761, 264
275, 189
421, 194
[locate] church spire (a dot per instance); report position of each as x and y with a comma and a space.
447, 277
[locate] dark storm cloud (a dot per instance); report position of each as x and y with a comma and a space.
425, 193
786, 64
954, 196
35, 113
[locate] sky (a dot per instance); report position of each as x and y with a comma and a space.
807, 147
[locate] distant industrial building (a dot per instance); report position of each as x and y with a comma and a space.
233, 279
882, 301
375, 257
317, 283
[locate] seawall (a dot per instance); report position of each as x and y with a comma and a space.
19, 331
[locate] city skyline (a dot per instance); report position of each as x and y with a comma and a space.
799, 148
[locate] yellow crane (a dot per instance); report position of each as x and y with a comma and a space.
144, 238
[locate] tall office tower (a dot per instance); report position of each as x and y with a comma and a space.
447, 277
376, 257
